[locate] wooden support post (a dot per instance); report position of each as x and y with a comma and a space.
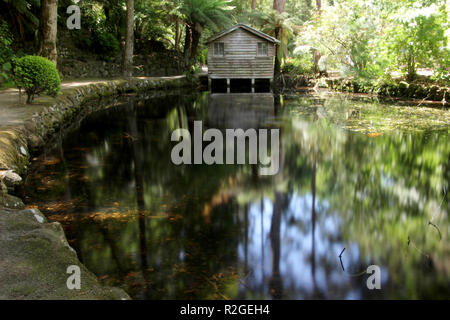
209, 84
253, 85
228, 85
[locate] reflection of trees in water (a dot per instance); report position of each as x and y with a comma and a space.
383, 189
202, 246
374, 193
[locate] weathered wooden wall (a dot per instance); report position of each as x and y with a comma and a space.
241, 59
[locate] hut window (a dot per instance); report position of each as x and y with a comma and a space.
219, 49
262, 48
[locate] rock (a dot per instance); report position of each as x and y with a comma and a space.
10, 178
10, 202
3, 188
35, 257
23, 151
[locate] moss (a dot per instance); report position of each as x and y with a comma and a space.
36, 257
12, 202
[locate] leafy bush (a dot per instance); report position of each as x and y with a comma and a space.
36, 75
303, 65
83, 39
105, 44
100, 42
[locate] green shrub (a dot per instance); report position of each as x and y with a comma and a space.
303, 65
100, 42
105, 44
82, 39
36, 75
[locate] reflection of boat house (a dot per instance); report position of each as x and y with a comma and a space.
241, 54
240, 110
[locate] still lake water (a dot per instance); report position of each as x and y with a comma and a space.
357, 174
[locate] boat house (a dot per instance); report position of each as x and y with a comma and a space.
241, 54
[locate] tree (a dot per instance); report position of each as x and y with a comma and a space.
279, 6
129, 41
48, 29
253, 10
416, 36
319, 5
23, 16
199, 14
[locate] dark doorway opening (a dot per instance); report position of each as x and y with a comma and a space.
219, 85
240, 85
262, 85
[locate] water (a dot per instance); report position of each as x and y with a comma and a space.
354, 174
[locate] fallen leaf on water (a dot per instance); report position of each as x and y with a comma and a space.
374, 134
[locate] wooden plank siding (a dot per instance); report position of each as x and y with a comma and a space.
240, 58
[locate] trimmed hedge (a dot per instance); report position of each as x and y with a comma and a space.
36, 75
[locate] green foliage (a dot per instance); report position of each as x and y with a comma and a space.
416, 36
105, 44
23, 15
376, 39
198, 15
269, 20
6, 53
100, 31
367, 39
302, 65
99, 42
203, 55
202, 13
36, 75
155, 23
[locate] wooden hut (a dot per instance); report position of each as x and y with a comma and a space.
241, 52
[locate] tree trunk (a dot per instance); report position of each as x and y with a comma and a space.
177, 34
253, 11
129, 41
316, 53
194, 46
411, 65
280, 6
48, 29
187, 44
277, 68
